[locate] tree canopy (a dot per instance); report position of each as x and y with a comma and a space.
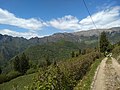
21, 64
104, 43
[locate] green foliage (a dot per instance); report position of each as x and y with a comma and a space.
19, 83
9, 76
73, 54
16, 64
13, 74
118, 43
104, 43
0, 70
2, 78
24, 63
64, 75
31, 70
53, 51
83, 51
50, 79
21, 64
85, 83
47, 61
116, 51
80, 51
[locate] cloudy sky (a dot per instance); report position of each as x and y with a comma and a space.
31, 18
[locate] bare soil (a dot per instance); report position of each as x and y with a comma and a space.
107, 76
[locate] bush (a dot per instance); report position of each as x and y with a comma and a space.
64, 75
2, 78
13, 74
31, 70
9, 76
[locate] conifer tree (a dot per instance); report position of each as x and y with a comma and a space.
21, 64
47, 61
17, 64
73, 54
79, 51
104, 43
24, 63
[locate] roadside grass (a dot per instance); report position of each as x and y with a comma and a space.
18, 83
85, 83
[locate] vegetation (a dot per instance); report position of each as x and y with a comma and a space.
73, 54
80, 51
64, 75
116, 52
19, 83
0, 70
85, 83
105, 45
7, 77
57, 70
21, 64
40, 54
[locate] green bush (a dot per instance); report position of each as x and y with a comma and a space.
116, 50
64, 75
2, 78
9, 76
31, 70
13, 74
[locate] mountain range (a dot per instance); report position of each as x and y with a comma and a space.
11, 46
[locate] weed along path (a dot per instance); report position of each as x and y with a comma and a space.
116, 65
107, 76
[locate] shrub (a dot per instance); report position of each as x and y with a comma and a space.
30, 71
13, 74
9, 76
2, 78
64, 75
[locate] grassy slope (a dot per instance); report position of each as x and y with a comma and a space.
19, 82
85, 83
116, 53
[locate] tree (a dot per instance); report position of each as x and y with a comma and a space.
118, 43
0, 70
73, 54
80, 51
47, 61
24, 63
104, 43
16, 63
21, 64
83, 52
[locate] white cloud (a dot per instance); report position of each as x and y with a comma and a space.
103, 19
110, 17
27, 35
10, 19
65, 23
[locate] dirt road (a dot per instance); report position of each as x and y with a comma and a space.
100, 77
107, 76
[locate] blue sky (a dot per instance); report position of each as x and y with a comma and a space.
31, 18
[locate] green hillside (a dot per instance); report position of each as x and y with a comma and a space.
52, 51
18, 83
64, 74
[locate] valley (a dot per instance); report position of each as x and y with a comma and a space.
63, 61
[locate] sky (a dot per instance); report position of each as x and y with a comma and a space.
39, 18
